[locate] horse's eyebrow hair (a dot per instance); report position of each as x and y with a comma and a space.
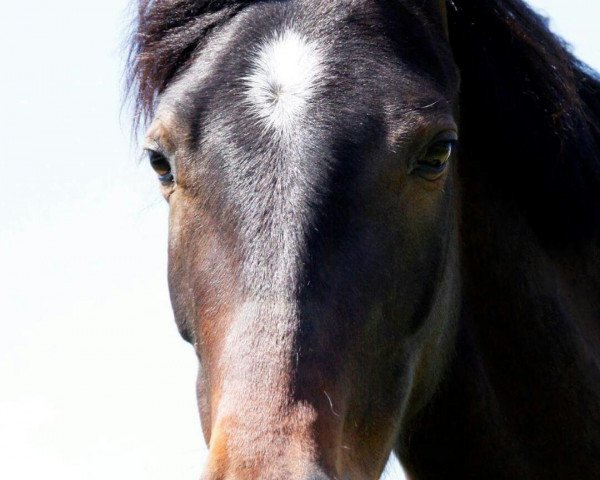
154, 143
433, 104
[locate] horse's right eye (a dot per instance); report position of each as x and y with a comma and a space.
161, 166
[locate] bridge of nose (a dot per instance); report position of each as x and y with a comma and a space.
266, 433
258, 430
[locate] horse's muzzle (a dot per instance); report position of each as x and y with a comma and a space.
268, 474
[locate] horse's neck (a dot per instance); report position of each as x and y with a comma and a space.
522, 396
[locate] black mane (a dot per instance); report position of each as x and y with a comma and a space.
530, 117
530, 111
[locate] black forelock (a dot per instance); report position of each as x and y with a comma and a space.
165, 36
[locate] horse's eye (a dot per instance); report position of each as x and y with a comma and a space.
161, 166
435, 160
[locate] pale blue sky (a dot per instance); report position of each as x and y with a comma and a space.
95, 382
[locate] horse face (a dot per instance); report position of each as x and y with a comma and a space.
306, 154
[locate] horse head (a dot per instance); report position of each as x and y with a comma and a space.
307, 150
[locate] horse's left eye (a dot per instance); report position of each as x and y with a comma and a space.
435, 160
161, 166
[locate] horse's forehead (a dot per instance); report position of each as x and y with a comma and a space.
286, 70
280, 72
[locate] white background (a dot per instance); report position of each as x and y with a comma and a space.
95, 382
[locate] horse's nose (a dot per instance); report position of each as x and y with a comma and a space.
279, 469
216, 476
291, 442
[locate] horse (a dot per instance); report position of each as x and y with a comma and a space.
384, 233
